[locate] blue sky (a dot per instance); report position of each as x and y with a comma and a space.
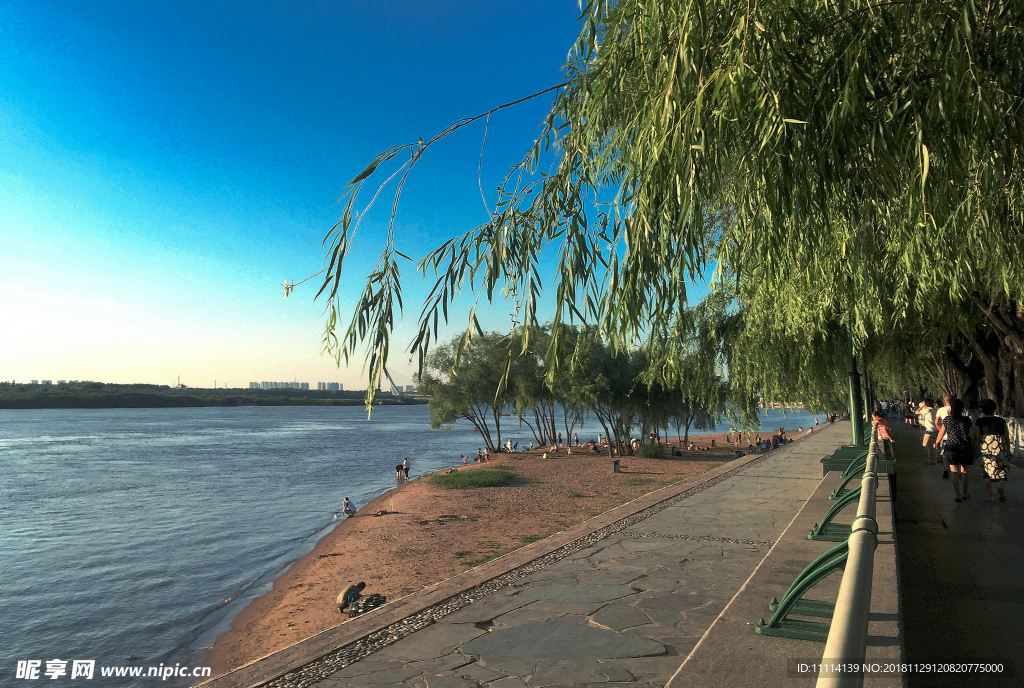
164, 167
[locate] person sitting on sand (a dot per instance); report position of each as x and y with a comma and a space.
350, 594
348, 507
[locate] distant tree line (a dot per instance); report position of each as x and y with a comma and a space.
101, 395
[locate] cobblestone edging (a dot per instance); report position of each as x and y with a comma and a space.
699, 538
324, 666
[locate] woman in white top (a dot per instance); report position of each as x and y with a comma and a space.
926, 412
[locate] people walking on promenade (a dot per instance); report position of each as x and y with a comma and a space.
881, 423
940, 415
957, 452
991, 436
926, 412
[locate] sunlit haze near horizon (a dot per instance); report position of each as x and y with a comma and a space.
164, 167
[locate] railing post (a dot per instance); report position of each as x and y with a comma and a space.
869, 392
855, 399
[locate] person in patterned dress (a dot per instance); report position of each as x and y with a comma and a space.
993, 441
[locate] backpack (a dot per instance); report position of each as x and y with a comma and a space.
365, 604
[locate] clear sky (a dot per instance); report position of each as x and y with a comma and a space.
165, 166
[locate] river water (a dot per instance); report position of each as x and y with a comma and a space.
140, 532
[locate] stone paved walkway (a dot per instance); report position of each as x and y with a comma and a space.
626, 610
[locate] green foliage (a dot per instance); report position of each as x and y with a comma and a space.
845, 166
468, 382
468, 479
651, 451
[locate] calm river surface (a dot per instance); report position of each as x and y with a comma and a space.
141, 531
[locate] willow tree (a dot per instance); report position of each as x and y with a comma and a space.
843, 164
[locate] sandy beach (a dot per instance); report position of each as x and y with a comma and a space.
430, 534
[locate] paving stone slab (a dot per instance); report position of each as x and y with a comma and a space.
561, 640
365, 667
560, 607
487, 609
396, 675
441, 664
433, 641
578, 593
619, 616
450, 682
569, 671
509, 682
514, 666
480, 673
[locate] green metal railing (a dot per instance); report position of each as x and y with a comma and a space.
847, 637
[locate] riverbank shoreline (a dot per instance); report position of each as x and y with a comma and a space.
430, 534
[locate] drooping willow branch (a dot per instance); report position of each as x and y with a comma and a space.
375, 314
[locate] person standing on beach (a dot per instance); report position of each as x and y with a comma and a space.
465, 459
398, 472
405, 467
559, 440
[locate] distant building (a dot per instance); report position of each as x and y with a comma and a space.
278, 385
410, 389
47, 382
62, 382
35, 382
